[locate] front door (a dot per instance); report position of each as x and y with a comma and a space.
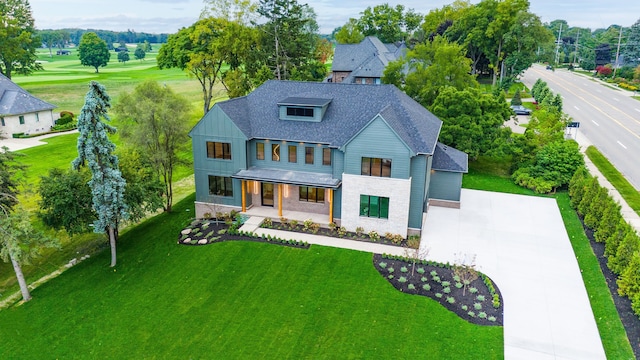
267, 194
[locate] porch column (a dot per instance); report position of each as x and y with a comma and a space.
280, 200
330, 205
244, 195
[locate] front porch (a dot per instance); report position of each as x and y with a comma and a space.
300, 216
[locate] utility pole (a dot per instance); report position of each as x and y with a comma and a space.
558, 44
615, 68
575, 53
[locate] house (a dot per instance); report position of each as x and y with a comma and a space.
363, 63
362, 155
21, 112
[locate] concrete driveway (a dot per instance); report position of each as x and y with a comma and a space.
521, 243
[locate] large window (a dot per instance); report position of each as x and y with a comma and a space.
21, 119
374, 206
326, 156
308, 155
275, 152
311, 194
218, 150
220, 186
300, 111
260, 151
376, 167
293, 153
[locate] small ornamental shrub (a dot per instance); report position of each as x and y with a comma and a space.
458, 285
480, 298
420, 271
436, 278
426, 287
472, 314
391, 270
404, 269
382, 264
446, 290
424, 279
411, 287
482, 315
315, 228
374, 236
397, 239
438, 295
402, 279
359, 230
268, 223
451, 300
446, 283
456, 278
491, 318
496, 301
342, 231
433, 273
333, 226
464, 307
477, 306
388, 236
473, 290
390, 277
306, 226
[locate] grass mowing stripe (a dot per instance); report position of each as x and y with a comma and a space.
612, 333
626, 190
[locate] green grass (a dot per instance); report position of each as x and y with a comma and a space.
233, 300
629, 193
489, 175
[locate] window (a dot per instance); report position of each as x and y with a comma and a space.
220, 186
376, 167
300, 111
21, 118
311, 194
374, 206
326, 156
363, 81
293, 153
260, 151
37, 117
218, 150
308, 155
2, 121
377, 81
275, 152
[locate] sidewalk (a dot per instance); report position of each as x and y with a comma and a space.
25, 143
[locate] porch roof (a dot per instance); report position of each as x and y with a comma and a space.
279, 176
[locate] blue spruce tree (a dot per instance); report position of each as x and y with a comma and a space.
96, 151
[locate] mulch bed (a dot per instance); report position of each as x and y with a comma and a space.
477, 303
630, 321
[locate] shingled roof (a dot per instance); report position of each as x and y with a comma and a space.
366, 59
351, 108
446, 158
14, 100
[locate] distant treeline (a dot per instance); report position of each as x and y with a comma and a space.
64, 37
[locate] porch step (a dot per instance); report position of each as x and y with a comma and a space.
252, 224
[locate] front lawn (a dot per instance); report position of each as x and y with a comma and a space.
233, 300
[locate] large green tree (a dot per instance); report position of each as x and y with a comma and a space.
472, 121
349, 33
631, 50
155, 123
432, 66
93, 51
18, 41
389, 24
95, 150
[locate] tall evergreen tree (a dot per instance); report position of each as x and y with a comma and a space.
96, 151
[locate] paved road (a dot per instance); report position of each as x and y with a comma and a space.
608, 117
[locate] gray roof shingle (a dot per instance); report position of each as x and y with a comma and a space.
352, 107
446, 158
14, 100
366, 59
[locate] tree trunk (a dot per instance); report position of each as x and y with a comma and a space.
112, 242
497, 65
26, 296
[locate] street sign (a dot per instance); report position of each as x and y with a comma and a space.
574, 124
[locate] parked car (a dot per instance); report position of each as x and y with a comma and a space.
520, 110
549, 67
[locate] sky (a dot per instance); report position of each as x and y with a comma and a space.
168, 16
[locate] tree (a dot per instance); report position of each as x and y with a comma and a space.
20, 243
239, 11
95, 150
18, 42
143, 192
472, 121
65, 201
9, 186
50, 38
628, 247
349, 33
432, 66
140, 53
388, 23
93, 51
155, 124
516, 100
123, 56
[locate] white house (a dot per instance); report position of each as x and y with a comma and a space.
21, 112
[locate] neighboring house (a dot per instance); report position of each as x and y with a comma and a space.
21, 112
364, 156
363, 63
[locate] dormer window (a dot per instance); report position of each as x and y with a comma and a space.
303, 108
299, 111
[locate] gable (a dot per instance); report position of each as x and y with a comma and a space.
14, 100
217, 123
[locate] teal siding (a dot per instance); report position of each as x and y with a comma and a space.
445, 185
217, 127
338, 163
378, 140
284, 157
426, 184
337, 203
418, 180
